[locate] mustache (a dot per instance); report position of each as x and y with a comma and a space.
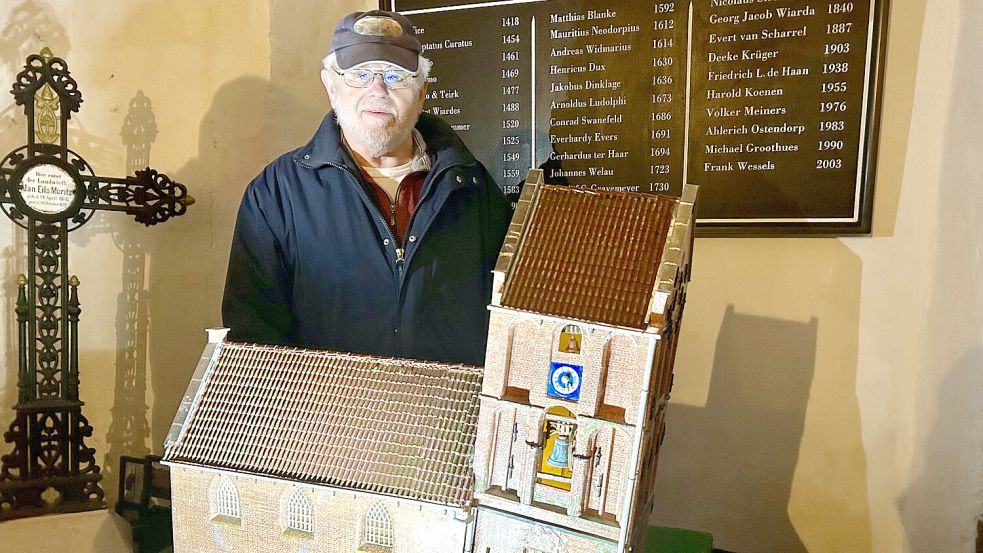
378, 105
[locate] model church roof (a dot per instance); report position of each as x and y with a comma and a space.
595, 256
388, 426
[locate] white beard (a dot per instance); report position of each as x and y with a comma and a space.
379, 138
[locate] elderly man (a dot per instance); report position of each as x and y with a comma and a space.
379, 235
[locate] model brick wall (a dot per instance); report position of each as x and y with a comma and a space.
499, 533
521, 348
339, 519
514, 406
497, 447
625, 369
600, 456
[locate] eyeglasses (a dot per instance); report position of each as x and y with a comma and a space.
360, 77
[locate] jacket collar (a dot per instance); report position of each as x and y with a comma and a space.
443, 145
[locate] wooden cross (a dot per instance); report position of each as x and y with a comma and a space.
49, 190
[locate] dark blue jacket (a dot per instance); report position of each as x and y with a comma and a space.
313, 263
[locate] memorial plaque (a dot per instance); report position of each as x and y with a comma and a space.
768, 105
48, 189
783, 114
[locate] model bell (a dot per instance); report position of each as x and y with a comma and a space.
558, 458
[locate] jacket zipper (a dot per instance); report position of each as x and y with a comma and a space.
394, 204
400, 251
427, 186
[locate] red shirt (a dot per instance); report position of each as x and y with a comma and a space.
398, 212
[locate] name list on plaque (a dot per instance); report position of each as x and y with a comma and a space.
778, 103
589, 92
763, 103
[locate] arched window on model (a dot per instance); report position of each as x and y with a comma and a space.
571, 340
556, 464
378, 526
300, 512
225, 500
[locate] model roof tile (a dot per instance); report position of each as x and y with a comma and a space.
388, 426
591, 256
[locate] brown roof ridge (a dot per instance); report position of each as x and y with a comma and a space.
515, 236
538, 315
387, 360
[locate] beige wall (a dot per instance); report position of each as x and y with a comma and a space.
827, 390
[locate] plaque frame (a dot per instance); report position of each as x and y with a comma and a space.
16, 195
867, 160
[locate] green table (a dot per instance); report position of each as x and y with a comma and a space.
677, 540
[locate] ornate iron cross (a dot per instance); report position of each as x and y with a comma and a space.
50, 190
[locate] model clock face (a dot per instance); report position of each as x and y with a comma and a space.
564, 381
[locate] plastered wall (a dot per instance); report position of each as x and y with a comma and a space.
831, 386
827, 389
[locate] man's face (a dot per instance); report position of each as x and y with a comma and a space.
377, 118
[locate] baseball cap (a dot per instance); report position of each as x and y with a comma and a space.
376, 35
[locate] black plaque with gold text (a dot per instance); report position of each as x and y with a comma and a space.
769, 105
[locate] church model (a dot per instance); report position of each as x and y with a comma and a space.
550, 448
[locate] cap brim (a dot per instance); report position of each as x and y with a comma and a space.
356, 54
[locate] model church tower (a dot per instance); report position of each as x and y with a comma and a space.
588, 295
